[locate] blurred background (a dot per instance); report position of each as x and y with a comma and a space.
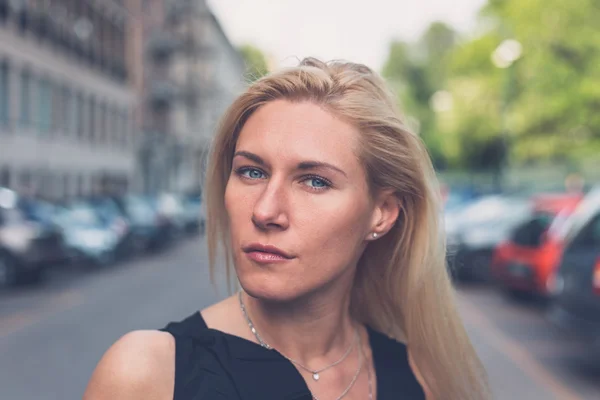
107, 111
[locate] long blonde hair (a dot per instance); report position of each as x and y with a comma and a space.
402, 287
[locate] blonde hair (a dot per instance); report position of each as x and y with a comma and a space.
402, 287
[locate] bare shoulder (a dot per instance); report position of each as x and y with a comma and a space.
140, 365
419, 376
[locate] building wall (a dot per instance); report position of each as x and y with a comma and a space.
206, 73
216, 73
69, 111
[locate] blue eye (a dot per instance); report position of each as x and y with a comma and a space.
251, 173
317, 183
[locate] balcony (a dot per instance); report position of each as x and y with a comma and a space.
179, 9
198, 91
4, 10
162, 44
162, 93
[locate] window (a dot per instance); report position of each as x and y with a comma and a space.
80, 186
5, 177
102, 122
589, 235
4, 94
46, 183
114, 126
66, 186
92, 119
125, 128
119, 52
3, 10
23, 21
109, 37
78, 120
26, 179
25, 109
58, 109
45, 109
530, 233
68, 111
102, 26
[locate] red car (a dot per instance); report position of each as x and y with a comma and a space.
527, 261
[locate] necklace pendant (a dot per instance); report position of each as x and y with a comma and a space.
316, 376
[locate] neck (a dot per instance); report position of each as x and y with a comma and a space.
308, 329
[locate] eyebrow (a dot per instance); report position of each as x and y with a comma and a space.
250, 156
304, 165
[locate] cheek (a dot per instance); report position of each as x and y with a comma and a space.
334, 227
235, 203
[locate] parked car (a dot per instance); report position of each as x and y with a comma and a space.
110, 214
194, 215
89, 239
457, 198
27, 246
576, 306
146, 229
477, 230
172, 212
525, 263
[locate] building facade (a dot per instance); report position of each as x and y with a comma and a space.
66, 99
191, 73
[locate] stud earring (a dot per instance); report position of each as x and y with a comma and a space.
375, 235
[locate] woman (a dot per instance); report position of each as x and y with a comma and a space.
327, 207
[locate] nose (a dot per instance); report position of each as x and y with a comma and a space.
269, 211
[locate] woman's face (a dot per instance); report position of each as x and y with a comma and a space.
298, 202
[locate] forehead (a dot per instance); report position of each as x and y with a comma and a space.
299, 131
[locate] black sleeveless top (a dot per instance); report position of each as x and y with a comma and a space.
213, 365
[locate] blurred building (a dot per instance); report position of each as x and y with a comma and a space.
65, 96
189, 72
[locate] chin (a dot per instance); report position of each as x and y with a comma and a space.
269, 285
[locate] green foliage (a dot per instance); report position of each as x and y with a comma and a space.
415, 71
256, 63
546, 105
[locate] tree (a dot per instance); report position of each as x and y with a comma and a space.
256, 63
550, 98
416, 72
474, 123
545, 106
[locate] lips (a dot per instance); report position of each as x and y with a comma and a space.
266, 253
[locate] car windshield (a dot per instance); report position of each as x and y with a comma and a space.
106, 208
38, 211
79, 215
196, 201
530, 233
572, 223
169, 204
138, 208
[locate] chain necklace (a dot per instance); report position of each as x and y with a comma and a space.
315, 373
353, 381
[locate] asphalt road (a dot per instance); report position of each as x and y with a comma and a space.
51, 336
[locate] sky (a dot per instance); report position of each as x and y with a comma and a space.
355, 30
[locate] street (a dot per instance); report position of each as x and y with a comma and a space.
52, 336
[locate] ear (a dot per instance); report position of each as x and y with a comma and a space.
386, 212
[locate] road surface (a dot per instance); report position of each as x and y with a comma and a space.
52, 336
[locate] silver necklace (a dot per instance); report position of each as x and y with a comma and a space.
352, 382
315, 373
